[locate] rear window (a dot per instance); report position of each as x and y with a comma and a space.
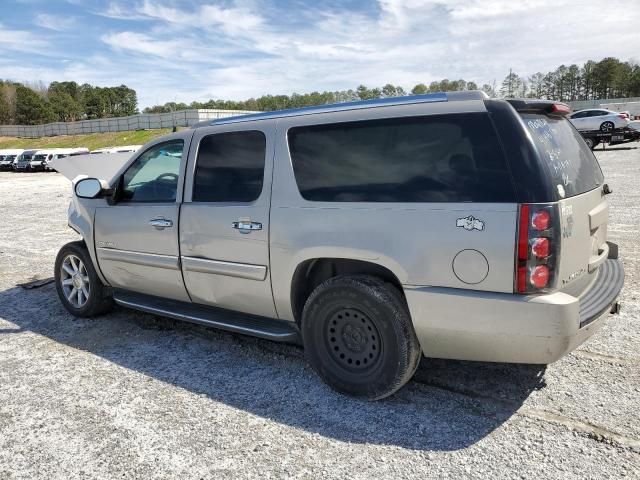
439, 158
572, 167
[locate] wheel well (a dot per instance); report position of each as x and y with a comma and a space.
311, 273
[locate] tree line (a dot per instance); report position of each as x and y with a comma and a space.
36, 103
608, 78
268, 103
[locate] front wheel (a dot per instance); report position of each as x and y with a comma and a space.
359, 337
79, 288
607, 127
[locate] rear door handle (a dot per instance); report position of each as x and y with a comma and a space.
160, 223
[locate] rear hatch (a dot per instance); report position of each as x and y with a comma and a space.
582, 207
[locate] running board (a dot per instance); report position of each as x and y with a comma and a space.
262, 327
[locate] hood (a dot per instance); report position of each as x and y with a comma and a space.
103, 166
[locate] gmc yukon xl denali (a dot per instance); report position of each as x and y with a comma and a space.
446, 225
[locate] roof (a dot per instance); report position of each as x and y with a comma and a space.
337, 107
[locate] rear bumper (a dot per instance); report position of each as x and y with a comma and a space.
498, 327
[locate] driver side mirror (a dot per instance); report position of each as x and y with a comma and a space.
90, 188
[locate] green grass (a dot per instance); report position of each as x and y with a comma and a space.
90, 141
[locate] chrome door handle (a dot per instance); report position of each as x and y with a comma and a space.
161, 223
246, 226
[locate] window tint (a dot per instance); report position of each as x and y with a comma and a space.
230, 167
440, 158
571, 164
153, 176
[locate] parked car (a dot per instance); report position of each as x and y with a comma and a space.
445, 225
40, 160
23, 162
8, 157
598, 119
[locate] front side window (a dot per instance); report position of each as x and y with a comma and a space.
439, 158
153, 176
230, 167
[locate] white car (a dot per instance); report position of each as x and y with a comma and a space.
599, 119
8, 157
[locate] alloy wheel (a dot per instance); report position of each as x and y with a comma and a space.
75, 281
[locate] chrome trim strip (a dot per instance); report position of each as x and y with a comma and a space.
230, 269
138, 258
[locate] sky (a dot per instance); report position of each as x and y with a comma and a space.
176, 50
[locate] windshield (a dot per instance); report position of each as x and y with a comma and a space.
25, 157
571, 164
40, 157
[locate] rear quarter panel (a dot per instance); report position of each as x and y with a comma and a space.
418, 242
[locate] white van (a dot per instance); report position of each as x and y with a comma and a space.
40, 160
8, 156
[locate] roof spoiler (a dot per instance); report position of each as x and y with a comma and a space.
546, 107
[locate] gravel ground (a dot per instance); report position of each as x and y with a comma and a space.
132, 395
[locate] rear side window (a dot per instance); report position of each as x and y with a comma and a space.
439, 158
230, 167
571, 165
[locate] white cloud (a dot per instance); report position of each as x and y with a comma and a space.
21, 41
242, 48
55, 22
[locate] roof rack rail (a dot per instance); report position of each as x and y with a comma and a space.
361, 104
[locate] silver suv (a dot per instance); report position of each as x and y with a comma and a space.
446, 225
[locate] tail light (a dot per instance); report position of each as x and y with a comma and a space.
538, 248
623, 116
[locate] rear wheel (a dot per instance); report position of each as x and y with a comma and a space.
359, 337
606, 127
79, 288
591, 143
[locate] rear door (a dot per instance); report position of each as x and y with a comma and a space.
224, 222
582, 206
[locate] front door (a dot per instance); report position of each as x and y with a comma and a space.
224, 222
137, 238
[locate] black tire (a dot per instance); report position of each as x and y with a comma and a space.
607, 127
359, 337
590, 143
98, 300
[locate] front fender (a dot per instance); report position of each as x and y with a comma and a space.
81, 216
